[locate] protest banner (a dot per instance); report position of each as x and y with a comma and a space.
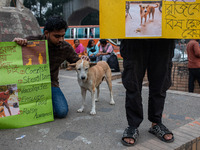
128, 19
25, 85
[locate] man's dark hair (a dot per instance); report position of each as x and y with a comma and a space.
89, 43
103, 41
55, 23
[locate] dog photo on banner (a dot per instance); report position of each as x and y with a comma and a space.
9, 104
143, 18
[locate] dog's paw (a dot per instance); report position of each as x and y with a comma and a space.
112, 102
80, 110
96, 100
138, 30
93, 112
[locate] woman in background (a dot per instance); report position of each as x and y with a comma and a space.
92, 50
79, 48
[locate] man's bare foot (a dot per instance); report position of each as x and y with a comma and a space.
130, 136
129, 140
161, 132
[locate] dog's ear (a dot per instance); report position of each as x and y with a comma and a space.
92, 64
140, 5
73, 65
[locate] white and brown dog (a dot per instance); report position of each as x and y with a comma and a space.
90, 76
147, 10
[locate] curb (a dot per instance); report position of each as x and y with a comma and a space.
116, 75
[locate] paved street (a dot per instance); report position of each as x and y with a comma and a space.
81, 131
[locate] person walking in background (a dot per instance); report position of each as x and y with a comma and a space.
92, 50
155, 56
105, 50
193, 52
79, 48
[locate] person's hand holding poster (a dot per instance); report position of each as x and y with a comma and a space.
150, 19
25, 85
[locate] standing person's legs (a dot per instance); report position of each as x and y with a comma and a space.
60, 106
198, 75
191, 81
159, 76
132, 81
134, 62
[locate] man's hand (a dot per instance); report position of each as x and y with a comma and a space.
85, 57
98, 54
20, 41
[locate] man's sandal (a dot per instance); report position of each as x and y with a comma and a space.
160, 131
132, 133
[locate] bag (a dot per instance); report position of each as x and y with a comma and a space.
93, 58
113, 63
93, 50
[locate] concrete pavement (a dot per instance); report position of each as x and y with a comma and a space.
81, 131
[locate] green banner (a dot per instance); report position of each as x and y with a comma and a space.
25, 85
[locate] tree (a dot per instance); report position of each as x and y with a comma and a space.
43, 9
37, 7
56, 8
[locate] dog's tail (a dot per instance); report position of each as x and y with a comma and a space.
157, 5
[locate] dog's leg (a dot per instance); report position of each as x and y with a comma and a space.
109, 82
97, 94
112, 102
145, 19
153, 14
83, 93
93, 111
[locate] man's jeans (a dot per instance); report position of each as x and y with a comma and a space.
60, 106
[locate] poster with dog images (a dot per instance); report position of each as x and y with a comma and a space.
25, 85
128, 19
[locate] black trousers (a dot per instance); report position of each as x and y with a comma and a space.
155, 56
194, 74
